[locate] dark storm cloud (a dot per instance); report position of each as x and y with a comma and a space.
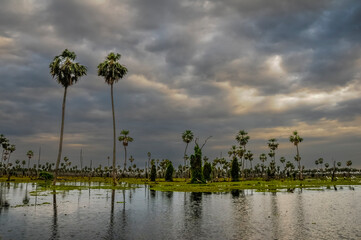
211, 66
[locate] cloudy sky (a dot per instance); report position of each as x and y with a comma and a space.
215, 67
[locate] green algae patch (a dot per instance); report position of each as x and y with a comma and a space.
181, 185
258, 185
31, 205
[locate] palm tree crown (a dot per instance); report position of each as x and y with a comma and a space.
242, 138
187, 136
125, 138
295, 138
30, 154
65, 70
272, 144
111, 69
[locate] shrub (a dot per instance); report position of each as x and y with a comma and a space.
153, 173
235, 170
46, 176
196, 166
169, 172
207, 170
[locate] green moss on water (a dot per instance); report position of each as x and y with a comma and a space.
30, 205
258, 185
179, 185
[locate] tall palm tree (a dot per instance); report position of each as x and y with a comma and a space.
125, 139
187, 137
66, 72
112, 71
296, 139
242, 138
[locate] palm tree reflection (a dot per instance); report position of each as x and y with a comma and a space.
54, 227
111, 223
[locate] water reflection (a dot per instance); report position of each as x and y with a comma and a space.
275, 216
26, 198
54, 226
146, 214
195, 205
111, 222
4, 204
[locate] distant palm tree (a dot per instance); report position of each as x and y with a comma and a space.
249, 156
283, 160
263, 158
326, 167
273, 145
316, 162
11, 149
187, 137
242, 138
233, 152
30, 154
125, 139
148, 166
112, 71
66, 73
348, 164
131, 160
296, 139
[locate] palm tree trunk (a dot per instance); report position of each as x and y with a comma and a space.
37, 169
243, 162
184, 156
61, 137
125, 158
114, 173
299, 164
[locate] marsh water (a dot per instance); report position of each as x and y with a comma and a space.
141, 213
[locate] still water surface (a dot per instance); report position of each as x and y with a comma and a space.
144, 214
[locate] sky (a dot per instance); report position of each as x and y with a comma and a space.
214, 67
